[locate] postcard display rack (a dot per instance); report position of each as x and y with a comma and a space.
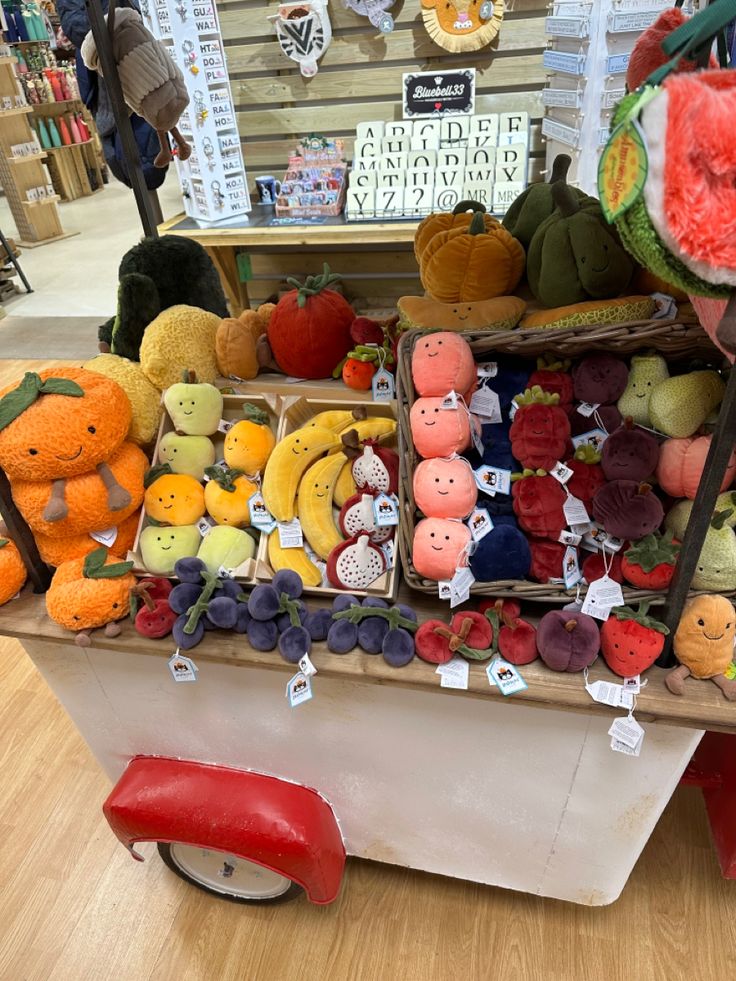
213, 180
588, 56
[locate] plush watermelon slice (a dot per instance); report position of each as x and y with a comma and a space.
356, 516
355, 563
377, 468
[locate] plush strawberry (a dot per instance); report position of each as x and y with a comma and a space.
540, 432
552, 377
631, 641
375, 467
469, 635
595, 568
538, 501
650, 562
547, 558
515, 639
355, 563
587, 478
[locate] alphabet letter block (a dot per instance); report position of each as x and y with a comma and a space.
451, 158
448, 177
482, 193
393, 161
454, 131
390, 178
361, 202
430, 142
362, 178
426, 129
445, 198
420, 177
366, 163
395, 144
486, 126
398, 129
482, 157
370, 131
389, 201
423, 158
367, 148
418, 201
504, 194
511, 163
513, 128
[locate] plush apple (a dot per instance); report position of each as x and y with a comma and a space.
161, 548
226, 546
568, 641
195, 409
155, 618
189, 455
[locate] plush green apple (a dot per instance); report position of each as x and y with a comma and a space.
226, 546
195, 409
162, 547
187, 454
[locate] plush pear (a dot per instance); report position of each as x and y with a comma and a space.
161, 548
716, 567
645, 373
187, 454
195, 409
226, 546
679, 406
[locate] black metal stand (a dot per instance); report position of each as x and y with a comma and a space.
15, 262
38, 572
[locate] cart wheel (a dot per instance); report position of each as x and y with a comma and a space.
227, 876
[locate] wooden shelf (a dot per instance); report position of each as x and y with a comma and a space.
49, 199
8, 60
17, 161
39, 106
18, 111
69, 146
25, 44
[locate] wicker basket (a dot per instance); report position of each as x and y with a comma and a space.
676, 340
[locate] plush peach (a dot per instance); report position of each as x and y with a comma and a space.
85, 497
90, 592
175, 499
12, 571
440, 546
56, 551
445, 488
441, 363
440, 432
681, 465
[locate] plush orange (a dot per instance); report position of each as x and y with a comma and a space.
441, 363
175, 499
439, 432
226, 497
58, 436
85, 497
250, 442
440, 546
445, 488
55, 551
12, 571
237, 347
681, 465
90, 592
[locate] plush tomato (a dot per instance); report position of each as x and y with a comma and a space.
595, 568
358, 374
538, 504
587, 474
631, 641
540, 431
650, 562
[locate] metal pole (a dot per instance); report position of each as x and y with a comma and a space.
38, 572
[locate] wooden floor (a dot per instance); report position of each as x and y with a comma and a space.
75, 907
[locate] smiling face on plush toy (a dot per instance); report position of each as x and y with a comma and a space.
437, 431
439, 547
705, 635
175, 499
445, 488
58, 435
442, 363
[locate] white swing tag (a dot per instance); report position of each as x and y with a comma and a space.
382, 386
460, 586
449, 401
454, 674
574, 511
479, 523
385, 510
607, 693
299, 689
485, 403
628, 731
306, 667
587, 410
260, 516
505, 676
487, 369
225, 425
594, 437
561, 472
570, 567
182, 668
493, 480
290, 534
204, 526
106, 537
602, 595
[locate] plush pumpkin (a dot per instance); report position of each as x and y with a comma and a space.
56, 551
546, 560
535, 204
538, 504
174, 499
681, 465
624, 310
445, 488
600, 379
238, 348
463, 265
180, 339
90, 592
226, 496
145, 398
12, 570
575, 255
568, 641
440, 547
540, 431
86, 498
309, 331
630, 453
502, 554
250, 442
445, 221
440, 432
441, 363
552, 376
60, 423
703, 644
628, 509
498, 313
587, 475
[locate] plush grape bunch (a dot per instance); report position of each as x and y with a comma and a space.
279, 618
204, 602
374, 627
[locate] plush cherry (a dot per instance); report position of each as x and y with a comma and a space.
155, 619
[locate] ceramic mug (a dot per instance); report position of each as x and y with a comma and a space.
268, 189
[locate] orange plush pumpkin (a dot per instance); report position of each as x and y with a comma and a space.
60, 423
238, 346
12, 571
469, 264
86, 497
90, 592
444, 221
681, 465
174, 499
55, 551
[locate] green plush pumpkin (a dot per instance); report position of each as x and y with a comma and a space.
575, 255
535, 204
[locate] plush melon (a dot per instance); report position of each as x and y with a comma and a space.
622, 310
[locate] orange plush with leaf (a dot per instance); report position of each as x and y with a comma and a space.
12, 571
90, 592
55, 551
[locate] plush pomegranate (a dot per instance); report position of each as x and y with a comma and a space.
600, 379
440, 547
587, 478
627, 509
681, 465
568, 641
538, 504
377, 468
442, 363
437, 431
540, 430
445, 488
355, 563
547, 558
309, 329
356, 516
629, 453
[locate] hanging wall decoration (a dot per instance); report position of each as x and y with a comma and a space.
376, 11
462, 25
304, 33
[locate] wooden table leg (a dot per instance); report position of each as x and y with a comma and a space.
226, 264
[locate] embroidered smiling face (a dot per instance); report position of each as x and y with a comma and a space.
445, 488
57, 435
461, 17
436, 431
442, 363
439, 547
705, 636
175, 499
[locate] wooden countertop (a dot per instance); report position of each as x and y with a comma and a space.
702, 707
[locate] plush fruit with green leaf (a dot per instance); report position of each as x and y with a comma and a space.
515, 639
161, 548
540, 431
226, 496
631, 641
189, 455
90, 592
469, 634
12, 571
553, 376
645, 373
650, 562
250, 442
358, 374
587, 474
226, 547
194, 408
173, 499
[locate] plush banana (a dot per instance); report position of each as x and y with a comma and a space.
375, 427
314, 502
345, 486
335, 420
295, 559
286, 465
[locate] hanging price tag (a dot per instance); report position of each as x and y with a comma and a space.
106, 537
569, 538
487, 369
382, 386
385, 510
587, 410
505, 677
561, 473
204, 525
606, 693
593, 437
290, 534
225, 425
628, 731
603, 594
574, 511
444, 589
182, 668
570, 568
480, 524
299, 689
449, 401
460, 586
485, 404
493, 480
260, 516
306, 667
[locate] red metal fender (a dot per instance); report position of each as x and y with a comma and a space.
283, 826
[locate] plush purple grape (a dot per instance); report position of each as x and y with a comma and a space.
342, 636
263, 604
262, 634
223, 612
294, 643
183, 596
241, 624
228, 587
398, 647
207, 623
283, 620
318, 624
376, 602
343, 602
371, 632
185, 642
406, 612
289, 582
190, 570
